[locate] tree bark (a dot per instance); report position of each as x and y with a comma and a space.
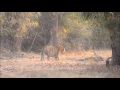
53, 30
115, 38
18, 44
19, 39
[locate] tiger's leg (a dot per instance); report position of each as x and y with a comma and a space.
42, 54
57, 57
48, 57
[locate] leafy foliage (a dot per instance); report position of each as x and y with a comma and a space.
76, 30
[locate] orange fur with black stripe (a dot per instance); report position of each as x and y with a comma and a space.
52, 51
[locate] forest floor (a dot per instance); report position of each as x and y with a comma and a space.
83, 64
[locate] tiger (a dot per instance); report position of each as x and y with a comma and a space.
52, 51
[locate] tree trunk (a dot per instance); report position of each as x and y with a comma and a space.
18, 44
114, 26
115, 38
53, 30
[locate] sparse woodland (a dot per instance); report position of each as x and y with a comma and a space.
28, 32
24, 31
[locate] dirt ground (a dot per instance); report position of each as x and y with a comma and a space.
71, 65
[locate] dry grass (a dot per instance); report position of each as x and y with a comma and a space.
71, 65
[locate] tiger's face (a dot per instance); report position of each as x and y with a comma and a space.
60, 49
